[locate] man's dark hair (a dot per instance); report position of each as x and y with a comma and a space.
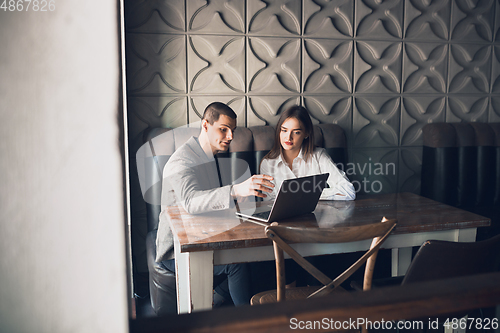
215, 109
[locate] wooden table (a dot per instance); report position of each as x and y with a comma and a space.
217, 238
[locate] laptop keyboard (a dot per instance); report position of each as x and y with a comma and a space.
262, 215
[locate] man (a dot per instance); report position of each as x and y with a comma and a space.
193, 179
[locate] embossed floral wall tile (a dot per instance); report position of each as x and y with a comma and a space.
497, 22
472, 20
495, 71
327, 66
216, 64
197, 105
379, 19
275, 18
331, 109
427, 20
274, 65
377, 67
467, 108
156, 64
155, 16
216, 17
470, 68
376, 121
425, 67
329, 19
157, 112
265, 110
495, 109
417, 111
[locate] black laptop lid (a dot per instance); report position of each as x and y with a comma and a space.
298, 196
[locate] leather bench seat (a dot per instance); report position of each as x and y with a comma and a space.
461, 167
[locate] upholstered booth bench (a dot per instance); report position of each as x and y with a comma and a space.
461, 167
250, 144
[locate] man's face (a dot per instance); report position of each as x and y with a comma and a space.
220, 134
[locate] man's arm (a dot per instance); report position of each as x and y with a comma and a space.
187, 182
196, 186
253, 185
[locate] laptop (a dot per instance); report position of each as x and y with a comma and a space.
297, 196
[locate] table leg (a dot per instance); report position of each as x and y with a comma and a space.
401, 260
466, 235
194, 275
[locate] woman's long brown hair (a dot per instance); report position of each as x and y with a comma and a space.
302, 115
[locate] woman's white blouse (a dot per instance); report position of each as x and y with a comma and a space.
320, 162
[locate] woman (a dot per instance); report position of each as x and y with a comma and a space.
294, 155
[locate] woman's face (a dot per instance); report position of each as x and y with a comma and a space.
292, 134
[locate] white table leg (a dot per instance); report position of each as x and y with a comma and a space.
401, 260
402, 256
466, 235
194, 275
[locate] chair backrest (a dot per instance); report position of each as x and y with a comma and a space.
443, 259
281, 235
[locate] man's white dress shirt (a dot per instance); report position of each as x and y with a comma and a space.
320, 162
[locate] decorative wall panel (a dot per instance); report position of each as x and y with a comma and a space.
332, 109
467, 108
497, 22
274, 65
160, 111
265, 110
426, 20
470, 68
377, 67
495, 110
216, 64
275, 17
425, 67
157, 64
379, 19
473, 20
199, 103
381, 69
418, 111
329, 19
496, 70
155, 16
216, 17
376, 121
327, 66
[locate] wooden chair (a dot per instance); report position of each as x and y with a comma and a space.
281, 235
437, 259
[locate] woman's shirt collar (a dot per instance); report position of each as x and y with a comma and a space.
299, 156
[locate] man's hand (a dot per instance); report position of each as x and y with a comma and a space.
253, 185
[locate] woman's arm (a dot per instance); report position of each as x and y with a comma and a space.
340, 186
266, 169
